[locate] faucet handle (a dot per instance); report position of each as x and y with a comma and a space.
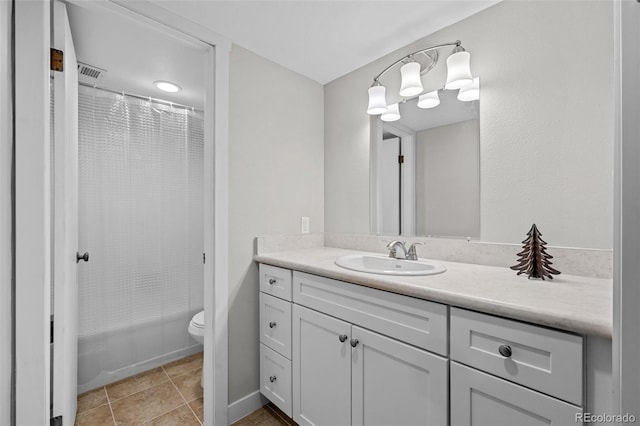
412, 254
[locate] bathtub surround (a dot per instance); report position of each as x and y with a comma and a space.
540, 104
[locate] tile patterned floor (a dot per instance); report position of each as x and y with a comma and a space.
269, 415
167, 395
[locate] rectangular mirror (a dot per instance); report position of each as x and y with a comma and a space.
426, 171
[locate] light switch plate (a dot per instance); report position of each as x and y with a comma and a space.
304, 225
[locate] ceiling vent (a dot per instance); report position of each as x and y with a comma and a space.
89, 74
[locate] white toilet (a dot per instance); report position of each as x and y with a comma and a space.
196, 327
196, 330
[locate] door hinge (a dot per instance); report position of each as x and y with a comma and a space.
55, 421
400, 159
57, 60
204, 258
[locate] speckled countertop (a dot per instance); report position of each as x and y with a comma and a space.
568, 302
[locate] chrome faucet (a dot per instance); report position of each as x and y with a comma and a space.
410, 254
393, 247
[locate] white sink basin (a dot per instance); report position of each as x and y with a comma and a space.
388, 266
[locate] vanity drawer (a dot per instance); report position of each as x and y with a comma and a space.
275, 324
275, 281
415, 321
546, 360
275, 378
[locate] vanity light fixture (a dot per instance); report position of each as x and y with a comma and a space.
429, 100
458, 69
167, 86
470, 92
411, 84
377, 99
458, 76
392, 113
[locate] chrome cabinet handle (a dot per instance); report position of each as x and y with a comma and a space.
272, 324
505, 351
354, 343
272, 281
80, 257
342, 338
272, 379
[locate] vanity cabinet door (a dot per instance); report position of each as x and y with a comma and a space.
321, 369
396, 384
480, 399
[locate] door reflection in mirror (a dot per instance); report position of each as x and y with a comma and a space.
427, 170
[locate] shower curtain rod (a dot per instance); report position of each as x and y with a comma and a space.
145, 98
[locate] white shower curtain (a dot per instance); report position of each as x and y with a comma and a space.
140, 202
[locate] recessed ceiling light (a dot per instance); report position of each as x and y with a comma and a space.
167, 86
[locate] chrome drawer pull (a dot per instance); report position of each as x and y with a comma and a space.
272, 281
272, 379
505, 351
354, 343
342, 337
272, 324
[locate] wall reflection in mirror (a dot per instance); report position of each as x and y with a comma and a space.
426, 174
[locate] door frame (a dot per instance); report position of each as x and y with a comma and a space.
626, 229
32, 212
6, 255
33, 204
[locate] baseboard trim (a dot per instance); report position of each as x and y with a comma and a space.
245, 406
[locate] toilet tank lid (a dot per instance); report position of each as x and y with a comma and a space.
198, 319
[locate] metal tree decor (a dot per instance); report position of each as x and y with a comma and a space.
534, 259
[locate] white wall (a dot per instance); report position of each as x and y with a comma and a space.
546, 123
5, 212
275, 177
448, 181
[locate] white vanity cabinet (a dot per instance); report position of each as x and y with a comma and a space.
346, 368
338, 354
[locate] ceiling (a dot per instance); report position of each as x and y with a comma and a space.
320, 39
133, 55
324, 39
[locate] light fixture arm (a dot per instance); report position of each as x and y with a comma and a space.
456, 43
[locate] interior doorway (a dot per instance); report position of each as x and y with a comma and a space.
33, 300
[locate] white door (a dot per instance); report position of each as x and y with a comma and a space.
389, 181
65, 221
480, 399
395, 383
321, 369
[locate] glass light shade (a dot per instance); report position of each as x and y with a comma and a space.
167, 86
392, 114
470, 92
458, 71
377, 100
429, 100
411, 84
